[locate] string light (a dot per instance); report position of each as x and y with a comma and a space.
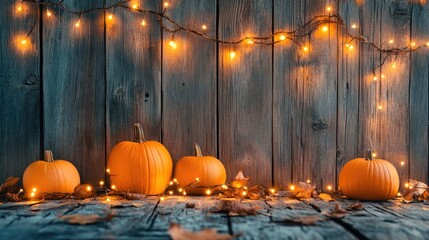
232, 55
180, 189
399, 194
329, 187
391, 41
20, 191
77, 24
175, 180
208, 192
328, 8
108, 171
402, 163
305, 49
110, 17
108, 199
325, 28
249, 41
162, 199
24, 41
204, 27
34, 189
383, 76
394, 65
224, 186
184, 193
292, 187
135, 6
48, 13
113, 187
143, 23
171, 183
354, 26
308, 181
379, 107
282, 37
413, 44
88, 188
272, 190
32, 194
407, 185
197, 179
173, 44
166, 4
244, 193
170, 192
374, 154
101, 183
19, 8
375, 78
427, 44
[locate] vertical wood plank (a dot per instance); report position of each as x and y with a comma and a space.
189, 81
348, 86
20, 123
419, 109
74, 89
384, 103
305, 98
245, 90
133, 69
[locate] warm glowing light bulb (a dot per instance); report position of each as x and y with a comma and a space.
374, 154
34, 189
171, 182
398, 194
379, 107
325, 28
135, 6
427, 44
272, 190
305, 49
32, 194
170, 192
204, 27
244, 193
24, 41
328, 9
19, 8
282, 37
292, 187
413, 44
375, 78
108, 199
407, 185
184, 192
383, 76
329, 187
173, 44
175, 180
77, 24
101, 183
48, 13
249, 41
21, 190
402, 163
224, 186
197, 179
180, 190
143, 23
351, 47
232, 55
110, 17
166, 4
354, 26
162, 198
308, 181
208, 192
88, 188
391, 41
108, 170
113, 187
394, 65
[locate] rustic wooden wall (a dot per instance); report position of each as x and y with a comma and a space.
276, 112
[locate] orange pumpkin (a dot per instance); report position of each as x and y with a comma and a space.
369, 179
140, 166
51, 176
209, 170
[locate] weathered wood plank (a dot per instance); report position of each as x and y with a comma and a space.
74, 89
348, 86
306, 95
133, 73
245, 90
189, 81
419, 90
20, 110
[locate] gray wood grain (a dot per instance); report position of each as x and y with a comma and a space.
245, 91
20, 108
74, 89
419, 90
189, 82
133, 73
308, 82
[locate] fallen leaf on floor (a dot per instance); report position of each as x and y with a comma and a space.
416, 192
306, 220
190, 205
355, 207
304, 190
234, 208
338, 212
13, 197
80, 219
240, 180
176, 232
8, 185
81, 192
326, 197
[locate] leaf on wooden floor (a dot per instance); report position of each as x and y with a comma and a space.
305, 220
326, 197
355, 207
338, 212
13, 197
416, 191
7, 186
190, 205
240, 180
235, 208
80, 219
81, 191
176, 232
304, 190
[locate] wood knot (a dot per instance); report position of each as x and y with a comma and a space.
319, 124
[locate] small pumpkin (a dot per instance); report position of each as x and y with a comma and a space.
140, 166
369, 179
51, 176
208, 169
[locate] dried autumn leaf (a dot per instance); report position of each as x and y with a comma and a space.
305, 220
13, 197
355, 207
235, 208
81, 192
80, 219
176, 232
326, 197
304, 190
415, 191
240, 180
338, 212
8, 184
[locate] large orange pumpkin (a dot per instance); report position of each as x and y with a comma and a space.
369, 179
209, 170
140, 166
51, 176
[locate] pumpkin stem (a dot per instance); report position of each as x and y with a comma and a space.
49, 157
198, 150
138, 133
368, 154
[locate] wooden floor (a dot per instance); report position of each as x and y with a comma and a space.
150, 219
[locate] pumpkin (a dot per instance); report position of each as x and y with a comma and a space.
369, 179
51, 176
209, 170
140, 166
